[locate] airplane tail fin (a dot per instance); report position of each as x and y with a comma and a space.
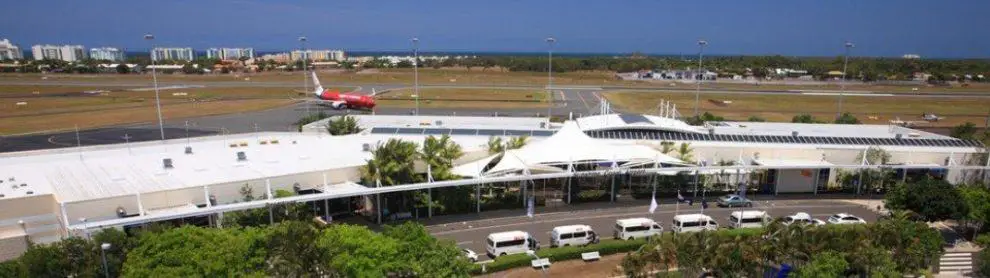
316, 82
373, 92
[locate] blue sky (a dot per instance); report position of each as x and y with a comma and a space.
950, 28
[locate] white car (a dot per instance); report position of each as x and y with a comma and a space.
845, 218
471, 255
802, 218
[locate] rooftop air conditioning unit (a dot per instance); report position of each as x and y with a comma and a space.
438, 123
188, 150
213, 200
167, 163
366, 147
241, 156
711, 131
543, 125
898, 136
794, 133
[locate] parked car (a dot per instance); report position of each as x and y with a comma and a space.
845, 218
802, 218
733, 200
470, 254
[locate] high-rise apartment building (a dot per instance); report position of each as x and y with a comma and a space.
319, 55
107, 53
229, 53
68, 53
9, 50
173, 53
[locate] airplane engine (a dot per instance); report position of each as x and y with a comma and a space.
338, 105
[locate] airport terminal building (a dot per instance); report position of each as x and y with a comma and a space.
50, 194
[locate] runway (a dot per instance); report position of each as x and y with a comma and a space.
570, 100
469, 231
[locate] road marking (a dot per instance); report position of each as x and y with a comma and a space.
847, 94
639, 213
580, 96
465, 242
563, 97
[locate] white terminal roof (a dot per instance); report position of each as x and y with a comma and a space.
821, 130
635, 121
115, 170
434, 121
569, 144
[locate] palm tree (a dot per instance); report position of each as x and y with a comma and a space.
666, 147
440, 154
343, 125
495, 145
391, 162
517, 142
684, 152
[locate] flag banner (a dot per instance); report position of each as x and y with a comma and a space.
529, 207
680, 198
653, 205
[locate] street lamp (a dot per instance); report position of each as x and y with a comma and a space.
154, 78
103, 253
415, 42
845, 67
302, 56
550, 41
697, 90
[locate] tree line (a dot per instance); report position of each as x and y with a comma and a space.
860, 68
888, 248
286, 249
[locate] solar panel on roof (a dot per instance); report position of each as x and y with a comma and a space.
634, 119
384, 130
542, 133
464, 131
491, 132
518, 132
436, 131
409, 131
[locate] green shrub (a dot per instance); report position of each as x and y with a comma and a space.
605, 247
592, 195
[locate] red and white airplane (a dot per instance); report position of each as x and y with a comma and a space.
342, 100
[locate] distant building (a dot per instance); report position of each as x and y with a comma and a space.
9, 50
283, 57
68, 53
173, 53
230, 53
911, 56
107, 53
319, 55
789, 72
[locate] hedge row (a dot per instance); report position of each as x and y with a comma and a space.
604, 247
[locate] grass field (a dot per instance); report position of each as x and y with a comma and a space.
464, 98
782, 108
63, 107
478, 76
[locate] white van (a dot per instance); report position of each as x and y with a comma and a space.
572, 235
636, 228
507, 243
748, 219
693, 223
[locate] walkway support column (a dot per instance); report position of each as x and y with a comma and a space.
477, 195
268, 189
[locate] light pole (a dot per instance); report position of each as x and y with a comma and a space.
154, 78
550, 42
842, 85
415, 43
697, 90
302, 56
103, 253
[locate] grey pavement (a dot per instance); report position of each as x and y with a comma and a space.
470, 230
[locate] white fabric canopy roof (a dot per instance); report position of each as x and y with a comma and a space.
568, 145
